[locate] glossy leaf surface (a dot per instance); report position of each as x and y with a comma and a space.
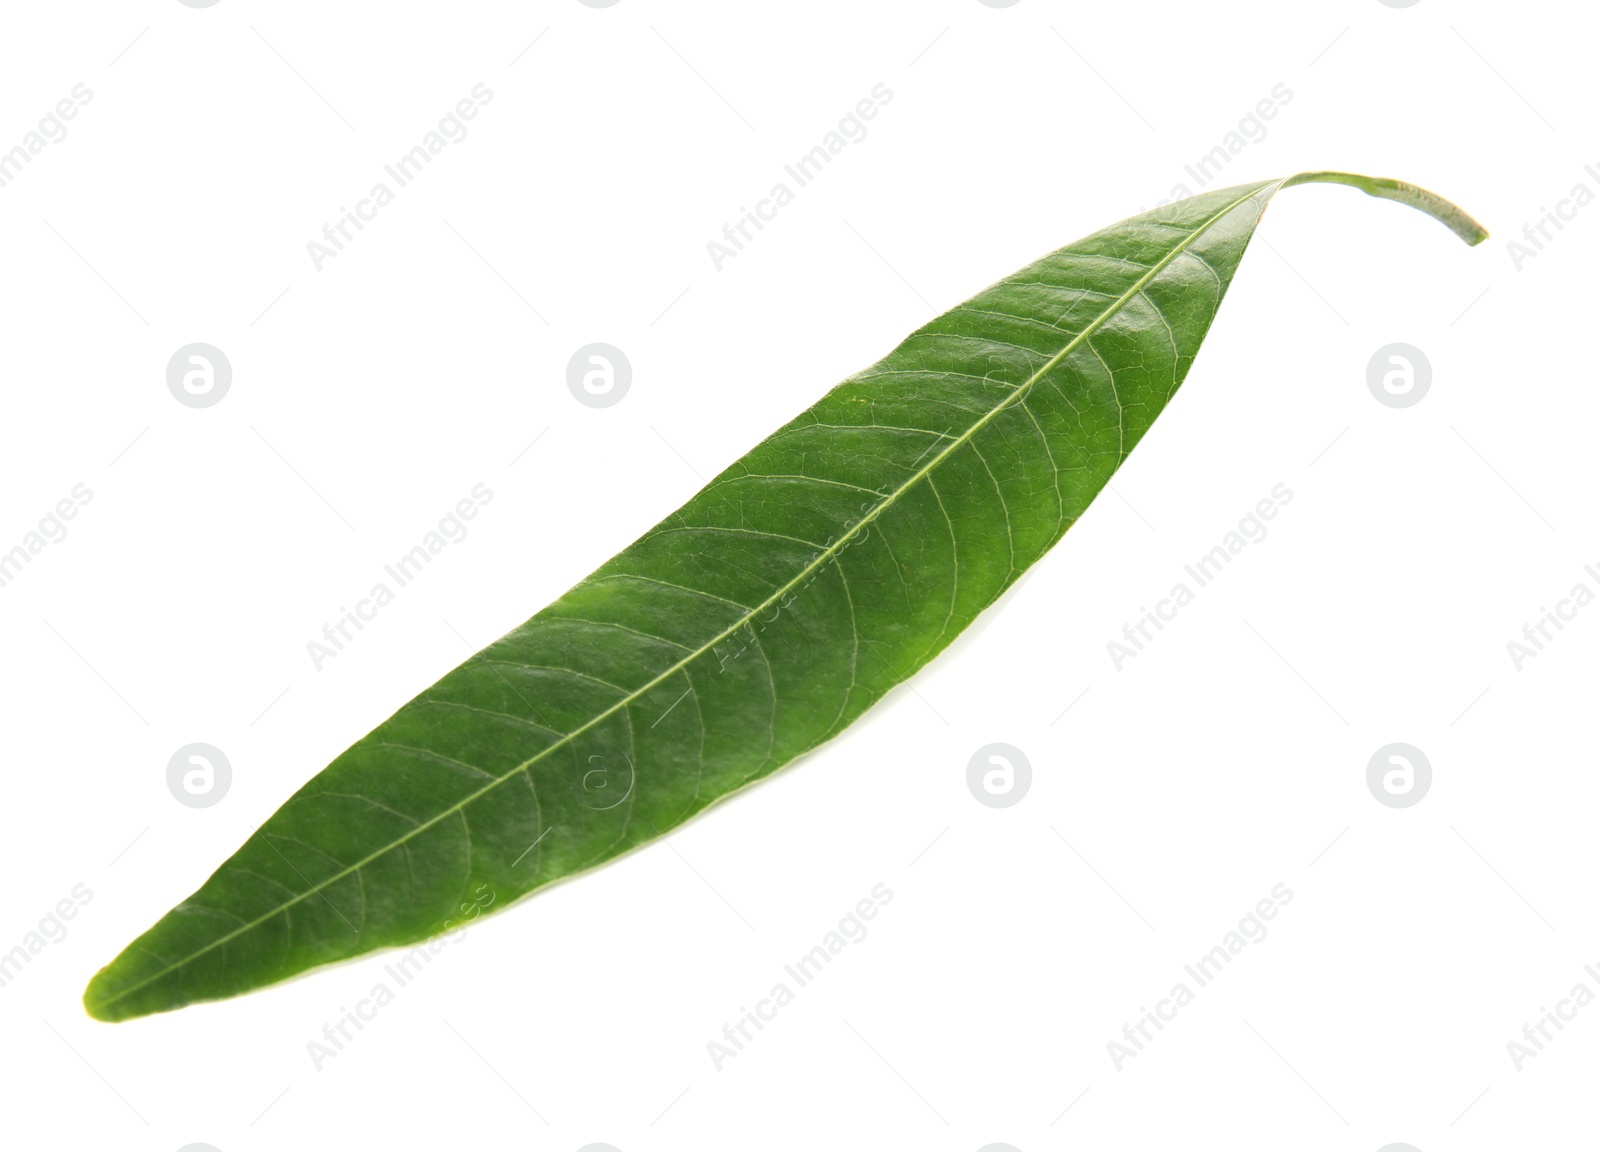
756, 622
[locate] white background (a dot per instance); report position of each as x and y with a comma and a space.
370, 396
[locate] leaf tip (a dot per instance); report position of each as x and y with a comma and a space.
101, 999
95, 1005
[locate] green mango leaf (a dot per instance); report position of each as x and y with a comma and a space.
759, 620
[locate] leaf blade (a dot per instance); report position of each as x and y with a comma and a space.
756, 622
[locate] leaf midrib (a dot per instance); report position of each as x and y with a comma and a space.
822, 558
